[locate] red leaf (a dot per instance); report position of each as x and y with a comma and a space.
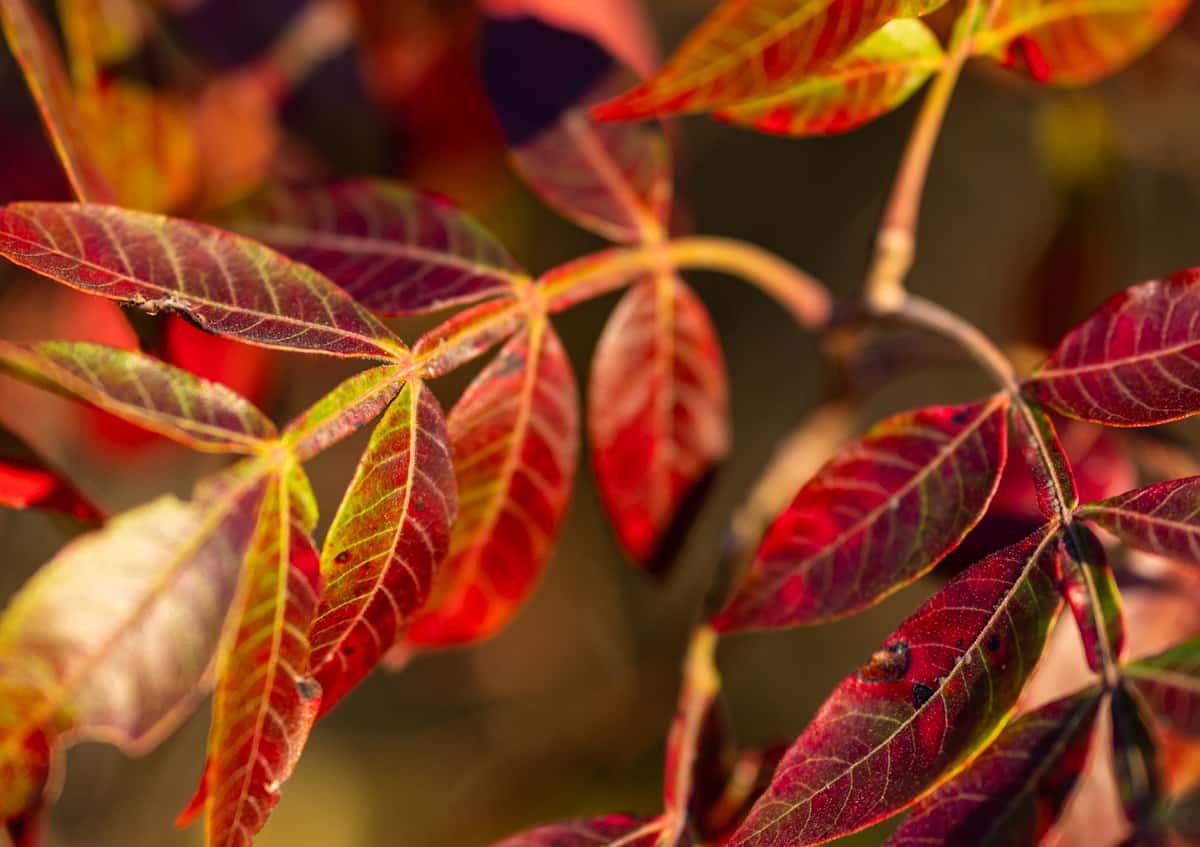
939, 687
1091, 592
515, 438
875, 517
26, 482
1134, 362
608, 831
1053, 478
746, 49
1170, 682
467, 335
658, 410
389, 535
1017, 789
1163, 518
395, 250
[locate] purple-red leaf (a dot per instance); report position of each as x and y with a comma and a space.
1135, 362
388, 537
1170, 684
1053, 478
228, 284
1163, 518
936, 690
515, 438
876, 517
608, 831
394, 250
1017, 788
27, 482
658, 410
1091, 592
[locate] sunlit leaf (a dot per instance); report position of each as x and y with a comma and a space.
1091, 592
1075, 42
658, 410
128, 617
33, 45
1170, 683
1163, 518
608, 831
1135, 758
353, 403
395, 250
29, 728
27, 482
390, 534
1134, 362
138, 388
1017, 788
226, 283
1047, 461
872, 79
877, 516
747, 49
265, 701
609, 178
515, 439
466, 335
936, 691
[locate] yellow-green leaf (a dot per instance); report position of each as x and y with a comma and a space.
354, 402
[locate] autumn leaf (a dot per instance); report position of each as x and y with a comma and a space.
467, 335
1091, 592
1047, 461
388, 537
748, 49
930, 697
226, 283
1132, 363
28, 482
608, 831
32, 43
872, 79
351, 404
611, 179
515, 439
1135, 758
29, 730
658, 411
1163, 518
1075, 42
395, 250
265, 702
128, 617
876, 517
145, 391
1017, 788
1170, 684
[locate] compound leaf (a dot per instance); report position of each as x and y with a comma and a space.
1163, 518
877, 516
226, 283
937, 690
658, 410
390, 533
395, 250
1134, 362
1170, 684
869, 81
515, 439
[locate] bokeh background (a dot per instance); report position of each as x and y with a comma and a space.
1040, 204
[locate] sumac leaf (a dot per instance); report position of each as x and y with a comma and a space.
1134, 362
1075, 42
658, 410
1163, 518
747, 49
466, 336
515, 439
1170, 684
351, 404
390, 533
877, 516
27, 482
128, 617
1135, 758
395, 250
138, 388
1053, 477
1091, 592
226, 283
607, 831
265, 701
608, 178
937, 689
1017, 788
869, 81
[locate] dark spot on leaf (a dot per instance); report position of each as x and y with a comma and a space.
993, 643
958, 643
419, 506
921, 695
887, 664
960, 417
308, 688
342, 557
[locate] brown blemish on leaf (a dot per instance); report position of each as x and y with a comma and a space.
887, 664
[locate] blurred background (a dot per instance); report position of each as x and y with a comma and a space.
1040, 204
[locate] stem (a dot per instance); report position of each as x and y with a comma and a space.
895, 242
919, 312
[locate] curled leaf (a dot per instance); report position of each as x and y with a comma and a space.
877, 516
